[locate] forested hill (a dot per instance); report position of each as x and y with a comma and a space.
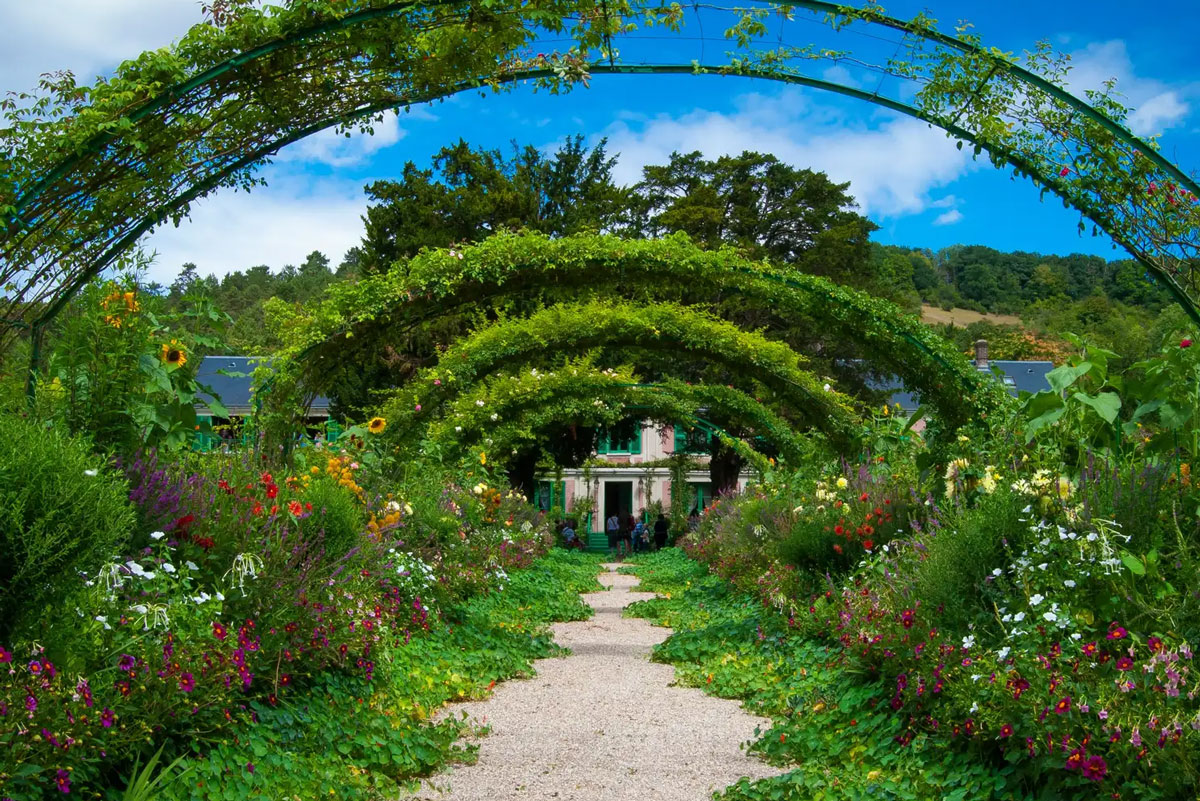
753, 201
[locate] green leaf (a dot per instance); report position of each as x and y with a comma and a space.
1106, 404
1173, 416
1062, 377
1134, 564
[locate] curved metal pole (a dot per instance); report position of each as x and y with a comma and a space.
871, 17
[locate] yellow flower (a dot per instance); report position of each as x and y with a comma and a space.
842, 483
376, 425
482, 457
173, 354
886, 410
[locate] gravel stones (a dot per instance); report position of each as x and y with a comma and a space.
603, 724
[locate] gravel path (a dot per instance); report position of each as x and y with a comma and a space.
603, 724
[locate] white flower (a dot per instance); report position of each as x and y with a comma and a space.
495, 417
997, 572
969, 641
1069, 583
103, 619
1018, 617
1092, 537
158, 535
140, 609
190, 565
1036, 599
479, 403
408, 510
92, 472
167, 566
1002, 654
826, 387
393, 506
1043, 565
458, 429
1050, 616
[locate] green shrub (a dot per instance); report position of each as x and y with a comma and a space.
336, 517
61, 511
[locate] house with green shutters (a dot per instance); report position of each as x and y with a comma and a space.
626, 477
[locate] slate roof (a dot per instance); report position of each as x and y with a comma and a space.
235, 390
1017, 377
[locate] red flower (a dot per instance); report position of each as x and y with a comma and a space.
1089, 649
295, 508
223, 484
1155, 644
868, 544
1185, 343
1116, 632
267, 480
272, 491
183, 523
219, 631
1063, 706
839, 529
837, 548
204, 542
1124, 663
1075, 760
1095, 768
906, 618
1006, 730
863, 497
1065, 171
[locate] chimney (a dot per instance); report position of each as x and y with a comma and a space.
981, 354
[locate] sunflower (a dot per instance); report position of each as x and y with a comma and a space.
173, 354
377, 425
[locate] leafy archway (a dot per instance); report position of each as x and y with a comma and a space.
511, 410
90, 170
436, 283
580, 328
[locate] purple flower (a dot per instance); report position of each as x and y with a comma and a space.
250, 766
5, 655
31, 703
187, 683
63, 780
126, 662
106, 718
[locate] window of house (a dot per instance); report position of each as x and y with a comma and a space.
623, 438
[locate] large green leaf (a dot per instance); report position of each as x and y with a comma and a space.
1174, 416
1062, 377
1106, 404
1041, 410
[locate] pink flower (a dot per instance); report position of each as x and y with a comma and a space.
1185, 343
187, 682
106, 718
418, 407
63, 780
1065, 171
5, 655
1124, 663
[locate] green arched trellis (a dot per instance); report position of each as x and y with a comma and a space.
437, 282
87, 178
580, 328
509, 409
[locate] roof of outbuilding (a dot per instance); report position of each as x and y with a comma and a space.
1018, 376
231, 377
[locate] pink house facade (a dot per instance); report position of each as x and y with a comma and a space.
623, 478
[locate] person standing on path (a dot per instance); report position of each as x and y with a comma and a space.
660, 532
612, 527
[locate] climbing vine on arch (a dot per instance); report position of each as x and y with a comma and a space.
581, 328
84, 171
511, 409
508, 268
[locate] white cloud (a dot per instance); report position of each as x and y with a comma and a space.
1157, 106
948, 217
88, 37
339, 150
274, 225
892, 162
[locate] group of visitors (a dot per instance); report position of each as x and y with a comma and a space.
630, 535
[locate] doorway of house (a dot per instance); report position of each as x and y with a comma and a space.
618, 499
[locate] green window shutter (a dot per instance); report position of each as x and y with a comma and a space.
636, 443
602, 441
681, 439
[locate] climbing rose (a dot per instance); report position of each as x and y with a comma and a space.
1186, 343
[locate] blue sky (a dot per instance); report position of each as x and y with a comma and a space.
909, 179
